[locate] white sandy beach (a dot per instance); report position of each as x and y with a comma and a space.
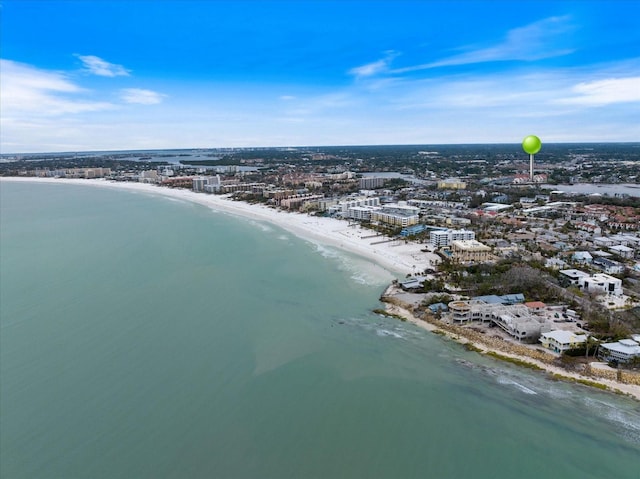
396, 257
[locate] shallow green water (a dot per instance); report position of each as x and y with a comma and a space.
144, 337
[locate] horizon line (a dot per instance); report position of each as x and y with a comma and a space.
380, 145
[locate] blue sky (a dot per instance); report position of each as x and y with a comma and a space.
142, 74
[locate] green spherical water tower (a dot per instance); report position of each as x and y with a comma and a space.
531, 144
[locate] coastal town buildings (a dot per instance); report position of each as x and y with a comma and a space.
86, 173
469, 217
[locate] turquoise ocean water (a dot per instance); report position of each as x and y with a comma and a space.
144, 337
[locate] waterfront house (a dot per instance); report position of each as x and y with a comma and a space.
621, 351
560, 341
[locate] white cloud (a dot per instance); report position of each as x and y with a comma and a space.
536, 41
100, 67
27, 90
380, 66
605, 92
141, 96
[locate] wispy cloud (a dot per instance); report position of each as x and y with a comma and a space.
374, 68
141, 96
542, 39
605, 92
27, 90
100, 67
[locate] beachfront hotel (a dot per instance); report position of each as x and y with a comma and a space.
395, 217
342, 207
360, 213
446, 237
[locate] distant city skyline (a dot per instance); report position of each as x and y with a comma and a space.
135, 75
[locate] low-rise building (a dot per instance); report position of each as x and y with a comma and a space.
296, 201
342, 207
601, 283
452, 184
583, 257
605, 242
395, 217
572, 276
469, 251
516, 319
622, 251
621, 351
560, 341
608, 266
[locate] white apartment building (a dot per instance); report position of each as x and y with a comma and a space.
446, 237
360, 213
394, 217
343, 206
371, 182
200, 183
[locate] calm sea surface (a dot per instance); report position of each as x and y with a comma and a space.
144, 337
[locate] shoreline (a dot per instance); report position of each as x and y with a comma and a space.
396, 308
393, 259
